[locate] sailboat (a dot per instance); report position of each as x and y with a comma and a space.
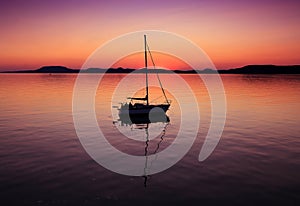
140, 106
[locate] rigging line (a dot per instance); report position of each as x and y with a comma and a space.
161, 86
156, 99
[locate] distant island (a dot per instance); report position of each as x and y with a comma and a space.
249, 69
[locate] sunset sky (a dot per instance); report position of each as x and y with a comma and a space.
35, 33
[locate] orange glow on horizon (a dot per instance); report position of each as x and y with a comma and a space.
161, 60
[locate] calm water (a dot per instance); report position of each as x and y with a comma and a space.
256, 161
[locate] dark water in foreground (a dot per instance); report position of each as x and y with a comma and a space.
256, 162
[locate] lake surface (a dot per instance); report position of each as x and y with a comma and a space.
256, 161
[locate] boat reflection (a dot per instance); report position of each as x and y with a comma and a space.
143, 122
130, 119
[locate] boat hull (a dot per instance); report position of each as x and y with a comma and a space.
138, 114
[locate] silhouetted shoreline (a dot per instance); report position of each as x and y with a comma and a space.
249, 69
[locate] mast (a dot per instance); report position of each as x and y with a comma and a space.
146, 67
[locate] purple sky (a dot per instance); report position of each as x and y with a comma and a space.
233, 33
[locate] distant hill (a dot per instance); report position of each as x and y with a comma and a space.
55, 69
263, 69
111, 70
48, 69
249, 69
